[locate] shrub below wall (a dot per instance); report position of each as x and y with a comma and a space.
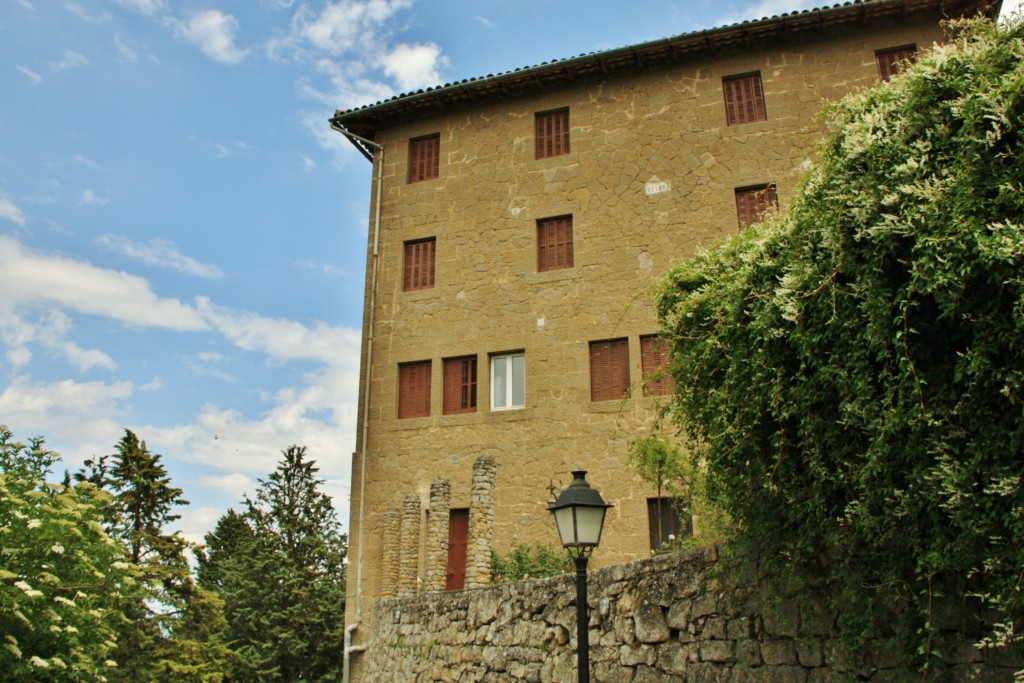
683, 617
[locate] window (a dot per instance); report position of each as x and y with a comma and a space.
665, 522
609, 369
744, 99
414, 389
654, 357
419, 264
890, 61
424, 158
508, 381
554, 243
753, 202
459, 385
552, 133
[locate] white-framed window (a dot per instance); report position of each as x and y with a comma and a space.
508, 381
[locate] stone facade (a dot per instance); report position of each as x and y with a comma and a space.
651, 175
687, 617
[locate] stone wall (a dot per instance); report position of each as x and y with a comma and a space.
682, 617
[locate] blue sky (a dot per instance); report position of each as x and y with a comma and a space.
182, 237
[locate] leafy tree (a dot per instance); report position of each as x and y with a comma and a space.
279, 568
524, 562
660, 464
855, 369
159, 639
63, 580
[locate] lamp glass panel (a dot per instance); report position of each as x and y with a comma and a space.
566, 527
589, 521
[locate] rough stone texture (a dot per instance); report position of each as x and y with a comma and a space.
390, 546
526, 632
409, 547
437, 534
481, 522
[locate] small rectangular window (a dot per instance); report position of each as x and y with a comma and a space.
414, 389
654, 358
508, 381
890, 60
753, 202
667, 521
609, 369
459, 385
744, 99
424, 158
419, 264
554, 243
552, 133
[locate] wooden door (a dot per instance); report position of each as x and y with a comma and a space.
458, 542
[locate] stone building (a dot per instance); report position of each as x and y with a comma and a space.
518, 224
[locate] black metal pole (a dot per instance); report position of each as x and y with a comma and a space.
582, 622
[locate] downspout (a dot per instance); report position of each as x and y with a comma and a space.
365, 436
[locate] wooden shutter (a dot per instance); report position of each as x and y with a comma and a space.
752, 202
459, 385
889, 61
414, 389
458, 544
552, 133
609, 369
744, 99
654, 356
424, 158
554, 243
419, 264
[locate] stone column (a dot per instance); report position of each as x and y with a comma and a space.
389, 550
437, 534
481, 522
409, 546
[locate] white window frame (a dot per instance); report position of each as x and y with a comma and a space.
508, 361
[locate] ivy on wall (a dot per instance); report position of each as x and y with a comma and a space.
853, 370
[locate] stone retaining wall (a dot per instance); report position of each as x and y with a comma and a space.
681, 617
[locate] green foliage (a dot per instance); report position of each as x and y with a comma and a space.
63, 580
854, 370
524, 562
279, 568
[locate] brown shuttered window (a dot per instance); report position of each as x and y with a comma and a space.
665, 522
744, 99
459, 385
424, 158
609, 369
552, 133
419, 264
554, 243
890, 60
414, 389
654, 356
458, 549
752, 202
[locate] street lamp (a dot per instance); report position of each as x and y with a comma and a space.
579, 515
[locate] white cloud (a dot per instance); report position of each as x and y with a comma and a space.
153, 385
88, 163
33, 403
31, 279
1010, 8
345, 26
71, 60
160, 253
768, 8
91, 198
414, 66
148, 7
9, 211
32, 75
213, 32
19, 357
308, 164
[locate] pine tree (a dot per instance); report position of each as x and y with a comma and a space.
279, 567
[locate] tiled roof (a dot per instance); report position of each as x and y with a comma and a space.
364, 121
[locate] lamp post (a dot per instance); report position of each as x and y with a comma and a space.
579, 515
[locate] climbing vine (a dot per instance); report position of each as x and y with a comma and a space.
854, 368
